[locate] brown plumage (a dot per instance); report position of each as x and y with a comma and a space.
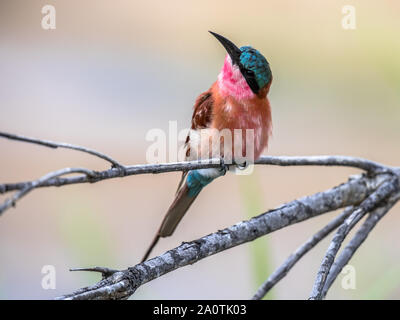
237, 100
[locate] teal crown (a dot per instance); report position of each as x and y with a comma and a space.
251, 59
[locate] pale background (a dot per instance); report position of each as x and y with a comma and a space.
113, 70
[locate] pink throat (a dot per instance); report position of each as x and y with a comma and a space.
232, 83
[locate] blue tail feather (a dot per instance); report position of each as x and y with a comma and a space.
197, 180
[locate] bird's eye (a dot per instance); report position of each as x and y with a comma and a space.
249, 72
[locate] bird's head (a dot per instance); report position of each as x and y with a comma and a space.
250, 62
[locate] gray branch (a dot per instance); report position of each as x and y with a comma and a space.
122, 284
55, 145
284, 269
119, 171
10, 202
329, 161
373, 192
345, 161
105, 272
387, 188
358, 239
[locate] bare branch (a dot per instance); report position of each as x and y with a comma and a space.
124, 283
285, 267
387, 188
52, 144
202, 164
341, 161
346, 161
357, 240
118, 173
191, 165
375, 192
105, 272
122, 171
10, 202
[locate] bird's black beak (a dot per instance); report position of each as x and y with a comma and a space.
233, 51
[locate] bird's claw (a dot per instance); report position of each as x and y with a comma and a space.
223, 167
242, 166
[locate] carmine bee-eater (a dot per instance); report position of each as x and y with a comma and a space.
237, 100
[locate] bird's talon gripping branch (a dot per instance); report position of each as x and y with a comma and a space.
224, 167
242, 166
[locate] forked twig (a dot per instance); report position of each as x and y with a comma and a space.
386, 189
375, 191
289, 263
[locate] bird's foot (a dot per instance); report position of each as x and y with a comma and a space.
224, 167
241, 166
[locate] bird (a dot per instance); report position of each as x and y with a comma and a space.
238, 99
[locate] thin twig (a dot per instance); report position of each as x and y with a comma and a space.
56, 180
105, 272
370, 190
289, 263
202, 164
357, 240
117, 173
10, 202
52, 144
341, 161
346, 161
387, 188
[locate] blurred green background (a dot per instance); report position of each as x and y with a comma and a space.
113, 70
